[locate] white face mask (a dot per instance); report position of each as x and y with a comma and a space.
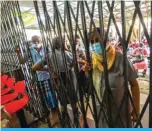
38, 45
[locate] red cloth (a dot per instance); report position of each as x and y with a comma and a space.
9, 97
12, 105
20, 86
136, 45
10, 82
144, 41
143, 51
140, 65
5, 91
3, 79
16, 105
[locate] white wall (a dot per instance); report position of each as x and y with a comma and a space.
30, 33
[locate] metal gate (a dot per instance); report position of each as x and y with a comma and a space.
76, 18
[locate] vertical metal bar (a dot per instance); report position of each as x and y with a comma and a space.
142, 112
136, 3
113, 18
140, 26
9, 40
76, 19
12, 27
42, 29
104, 40
63, 22
60, 34
86, 42
139, 32
132, 26
125, 64
92, 14
10, 35
76, 63
17, 30
101, 22
109, 22
150, 85
6, 45
47, 19
72, 43
22, 118
108, 93
20, 113
24, 38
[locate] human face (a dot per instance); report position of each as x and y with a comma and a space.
77, 41
97, 48
37, 41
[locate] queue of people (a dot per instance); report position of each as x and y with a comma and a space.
115, 68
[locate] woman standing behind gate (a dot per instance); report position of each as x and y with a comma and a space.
116, 81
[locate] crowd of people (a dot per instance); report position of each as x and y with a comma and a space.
135, 47
115, 66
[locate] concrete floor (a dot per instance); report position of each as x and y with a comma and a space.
145, 119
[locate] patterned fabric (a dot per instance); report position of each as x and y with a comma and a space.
45, 89
139, 51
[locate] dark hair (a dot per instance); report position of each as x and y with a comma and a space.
98, 29
77, 37
56, 43
95, 35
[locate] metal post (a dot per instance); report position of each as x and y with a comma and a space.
36, 109
107, 89
12, 25
76, 63
86, 42
140, 26
131, 27
22, 119
125, 71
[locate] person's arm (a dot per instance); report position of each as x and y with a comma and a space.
39, 65
84, 56
20, 56
83, 61
135, 91
22, 53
